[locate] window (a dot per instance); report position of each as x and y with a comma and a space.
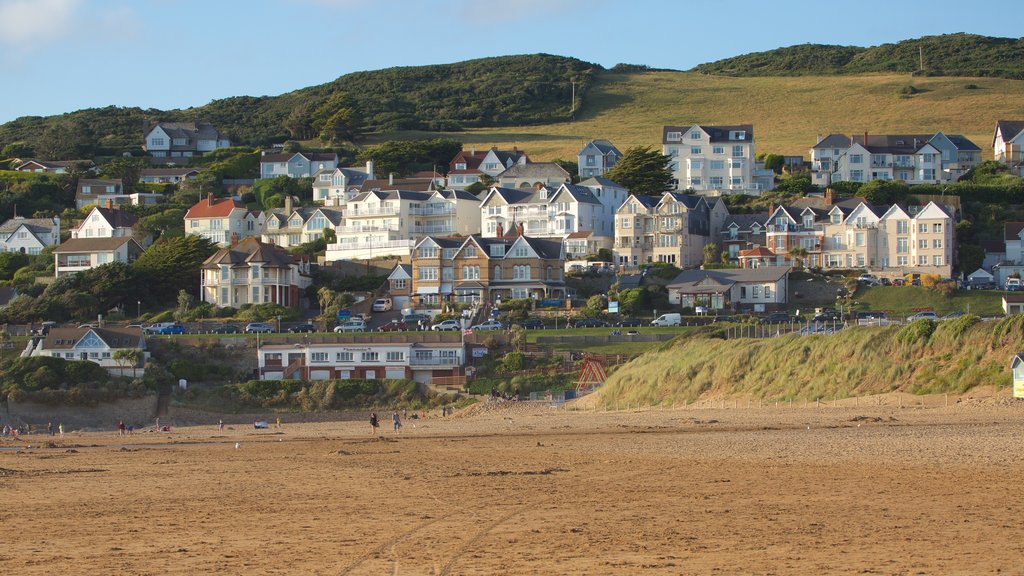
369, 357
343, 357
460, 165
922, 244
591, 160
808, 221
922, 228
447, 274
736, 180
718, 164
937, 228
937, 260
470, 251
718, 150
395, 356
318, 357
901, 261
837, 241
497, 273
491, 166
860, 239
902, 227
837, 218
756, 292
225, 273
428, 273
856, 175
695, 135
255, 272
736, 164
521, 252
470, 272
695, 150
737, 151
674, 136
224, 296
673, 152
695, 164
902, 246
428, 252
158, 142
497, 250
928, 174
743, 292
922, 260
318, 222
626, 222
695, 182
521, 272
715, 181
856, 158
768, 291
937, 243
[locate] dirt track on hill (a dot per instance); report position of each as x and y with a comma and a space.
530, 490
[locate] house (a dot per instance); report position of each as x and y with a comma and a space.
52, 166
110, 222
296, 164
99, 345
1008, 144
471, 167
183, 139
742, 232
754, 289
1017, 367
596, 158
252, 272
388, 222
980, 277
533, 175
474, 270
674, 230
705, 157
411, 359
912, 158
425, 181
95, 192
288, 226
222, 220
78, 254
29, 235
400, 286
167, 175
1013, 304
336, 186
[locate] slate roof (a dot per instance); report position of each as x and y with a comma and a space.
90, 245
415, 195
733, 275
540, 170
716, 133
193, 131
54, 164
604, 146
1009, 129
961, 142
66, 338
600, 181
116, 218
579, 193
745, 221
689, 200
407, 184
1011, 230
251, 251
647, 201
36, 225
892, 143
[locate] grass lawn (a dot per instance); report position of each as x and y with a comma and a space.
903, 299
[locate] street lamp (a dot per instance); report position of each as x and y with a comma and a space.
138, 308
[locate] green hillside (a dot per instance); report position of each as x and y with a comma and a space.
503, 91
946, 55
921, 358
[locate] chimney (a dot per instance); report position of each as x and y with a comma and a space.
234, 239
109, 204
288, 204
521, 229
771, 208
501, 230
820, 138
209, 198
369, 169
865, 138
829, 200
391, 178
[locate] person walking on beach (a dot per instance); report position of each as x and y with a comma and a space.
121, 428
374, 424
60, 429
397, 421
220, 424
49, 428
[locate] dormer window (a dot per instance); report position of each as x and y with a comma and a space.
808, 221
695, 135
497, 250
674, 136
460, 165
543, 194
837, 218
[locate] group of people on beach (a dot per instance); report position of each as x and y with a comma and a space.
396, 419
9, 431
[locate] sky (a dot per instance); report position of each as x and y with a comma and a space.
63, 55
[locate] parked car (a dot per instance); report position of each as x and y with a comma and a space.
172, 329
532, 324
489, 325
87, 326
827, 316
776, 318
1014, 284
588, 323
394, 326
670, 319
155, 328
923, 316
630, 322
135, 326
226, 329
446, 325
351, 326
633, 333
415, 318
258, 327
382, 305
302, 328
870, 279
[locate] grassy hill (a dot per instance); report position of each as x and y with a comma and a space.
787, 112
946, 55
921, 358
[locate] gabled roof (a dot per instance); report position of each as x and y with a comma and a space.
546, 248
595, 181
457, 195
251, 251
578, 193
745, 221
961, 142
408, 184
691, 201
645, 201
506, 156
192, 130
211, 207
53, 164
891, 143
1009, 129
35, 225
115, 218
1011, 230
383, 195
580, 235
732, 275
757, 252
400, 272
715, 133
510, 195
67, 338
441, 241
90, 245
604, 146
539, 170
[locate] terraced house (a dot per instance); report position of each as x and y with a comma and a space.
673, 228
912, 158
296, 164
707, 157
483, 269
288, 226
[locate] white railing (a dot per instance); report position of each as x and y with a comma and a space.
372, 245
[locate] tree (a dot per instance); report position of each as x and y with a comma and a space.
799, 254
17, 150
710, 251
329, 307
344, 125
64, 140
774, 162
573, 168
185, 303
407, 156
171, 265
880, 192
643, 170
128, 170
128, 357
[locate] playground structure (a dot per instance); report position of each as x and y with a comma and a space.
592, 373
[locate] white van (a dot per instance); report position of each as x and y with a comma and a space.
673, 319
382, 305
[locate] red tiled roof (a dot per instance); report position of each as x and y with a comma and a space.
759, 251
211, 207
585, 234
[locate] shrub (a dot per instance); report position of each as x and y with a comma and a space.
513, 362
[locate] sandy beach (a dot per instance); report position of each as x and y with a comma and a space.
528, 489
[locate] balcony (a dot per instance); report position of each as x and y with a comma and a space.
356, 211
356, 228
445, 228
432, 210
431, 361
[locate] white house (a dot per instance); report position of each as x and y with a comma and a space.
288, 226
756, 289
469, 167
336, 186
110, 222
51, 166
183, 139
29, 235
533, 175
705, 157
95, 192
1008, 144
296, 164
413, 360
596, 158
78, 254
912, 158
97, 345
222, 220
167, 175
252, 272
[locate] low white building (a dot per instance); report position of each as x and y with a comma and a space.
296, 164
99, 345
412, 360
29, 235
79, 254
753, 289
93, 192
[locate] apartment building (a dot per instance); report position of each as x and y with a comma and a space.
336, 186
290, 226
912, 158
482, 269
183, 139
411, 359
252, 272
223, 221
296, 164
1008, 144
705, 157
470, 167
674, 229
388, 222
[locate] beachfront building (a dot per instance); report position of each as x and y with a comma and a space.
29, 235
706, 157
99, 345
412, 359
673, 228
911, 158
253, 272
756, 290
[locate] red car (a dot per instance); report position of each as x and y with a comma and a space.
393, 326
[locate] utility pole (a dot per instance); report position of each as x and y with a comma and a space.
920, 54
572, 106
